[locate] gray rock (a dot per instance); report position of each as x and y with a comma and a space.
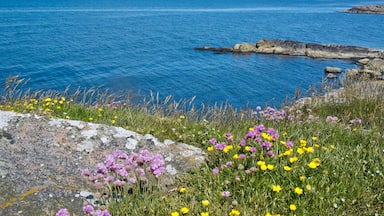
332, 70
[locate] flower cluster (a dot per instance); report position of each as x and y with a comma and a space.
120, 172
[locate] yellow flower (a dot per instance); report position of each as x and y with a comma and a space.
113, 121
288, 152
285, 133
292, 207
227, 148
300, 150
263, 167
293, 159
310, 149
302, 178
298, 190
183, 190
236, 156
210, 148
251, 129
90, 119
303, 142
270, 167
268, 214
260, 163
287, 168
314, 138
332, 147
47, 100
247, 148
182, 117
204, 214
317, 145
276, 188
266, 136
205, 202
234, 212
308, 187
313, 165
175, 214
100, 109
184, 210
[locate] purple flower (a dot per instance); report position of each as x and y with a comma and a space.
109, 161
220, 146
289, 144
101, 168
271, 131
226, 194
86, 172
88, 209
140, 171
271, 153
331, 118
157, 173
108, 179
119, 183
242, 156
132, 180
266, 145
63, 212
252, 149
242, 143
213, 141
229, 163
123, 173
215, 171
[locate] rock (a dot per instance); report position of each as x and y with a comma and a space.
244, 48
331, 76
295, 48
41, 160
375, 9
364, 61
332, 70
352, 74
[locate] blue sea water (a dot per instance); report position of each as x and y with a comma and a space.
147, 45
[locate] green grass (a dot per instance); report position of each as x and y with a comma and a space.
347, 181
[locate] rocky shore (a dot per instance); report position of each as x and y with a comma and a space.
376, 9
371, 61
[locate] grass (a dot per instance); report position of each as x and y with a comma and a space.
317, 159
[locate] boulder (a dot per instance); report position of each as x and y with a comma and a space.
331, 76
332, 70
363, 61
244, 47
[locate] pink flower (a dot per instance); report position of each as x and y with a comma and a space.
215, 171
119, 183
289, 144
226, 194
229, 163
88, 209
86, 172
63, 212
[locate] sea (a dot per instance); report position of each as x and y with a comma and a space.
147, 46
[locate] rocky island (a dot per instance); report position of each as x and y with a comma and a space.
371, 60
376, 9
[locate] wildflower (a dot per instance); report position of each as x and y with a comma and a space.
287, 168
225, 193
314, 138
289, 144
182, 117
184, 210
213, 141
175, 214
308, 187
298, 190
247, 148
302, 178
271, 154
227, 148
63, 212
314, 164
90, 119
86, 172
235, 156
204, 214
183, 190
276, 188
210, 148
205, 202
332, 147
293, 159
270, 167
88, 209
113, 121
310, 149
303, 143
292, 207
300, 150
263, 167
234, 212
215, 171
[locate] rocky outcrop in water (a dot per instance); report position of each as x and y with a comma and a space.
295, 48
41, 160
376, 9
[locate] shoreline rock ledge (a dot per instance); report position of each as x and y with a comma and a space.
296, 48
375, 9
